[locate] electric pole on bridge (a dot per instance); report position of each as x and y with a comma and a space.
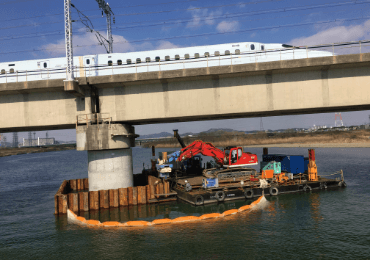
68, 35
108, 12
70, 84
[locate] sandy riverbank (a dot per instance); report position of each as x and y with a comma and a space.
316, 145
25, 150
358, 138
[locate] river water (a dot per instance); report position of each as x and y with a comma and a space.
333, 224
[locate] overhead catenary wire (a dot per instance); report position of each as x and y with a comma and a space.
53, 33
199, 35
89, 25
16, 1
128, 6
225, 16
158, 12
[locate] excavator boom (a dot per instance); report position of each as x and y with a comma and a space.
206, 149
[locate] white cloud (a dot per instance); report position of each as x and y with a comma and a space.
87, 43
210, 19
228, 26
339, 33
242, 5
202, 17
166, 45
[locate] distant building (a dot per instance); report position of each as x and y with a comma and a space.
39, 141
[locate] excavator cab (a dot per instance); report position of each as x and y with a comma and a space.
234, 157
232, 154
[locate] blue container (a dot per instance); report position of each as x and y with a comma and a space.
289, 163
306, 164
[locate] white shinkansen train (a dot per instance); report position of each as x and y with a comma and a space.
156, 60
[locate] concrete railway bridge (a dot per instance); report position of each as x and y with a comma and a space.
103, 109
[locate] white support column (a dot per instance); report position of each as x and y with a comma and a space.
109, 154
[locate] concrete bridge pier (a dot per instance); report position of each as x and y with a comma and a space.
109, 154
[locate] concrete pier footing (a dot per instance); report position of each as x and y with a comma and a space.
109, 154
110, 169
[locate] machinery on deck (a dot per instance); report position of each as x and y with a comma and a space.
230, 162
229, 158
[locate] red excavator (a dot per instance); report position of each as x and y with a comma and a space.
230, 157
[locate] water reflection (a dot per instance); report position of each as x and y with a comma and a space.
314, 200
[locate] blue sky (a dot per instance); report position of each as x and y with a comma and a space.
34, 29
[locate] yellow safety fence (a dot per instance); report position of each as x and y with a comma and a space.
72, 217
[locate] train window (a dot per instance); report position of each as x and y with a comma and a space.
11, 70
45, 65
217, 53
187, 56
2, 71
227, 52
157, 59
110, 63
206, 54
196, 55
128, 61
138, 60
177, 57
87, 61
119, 62
252, 47
237, 51
11, 65
262, 47
147, 59
167, 58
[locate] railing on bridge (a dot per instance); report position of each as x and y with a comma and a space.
93, 118
287, 53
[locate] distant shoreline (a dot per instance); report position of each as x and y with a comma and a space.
296, 145
345, 139
25, 150
315, 145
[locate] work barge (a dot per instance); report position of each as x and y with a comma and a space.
246, 183
230, 177
234, 190
182, 176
